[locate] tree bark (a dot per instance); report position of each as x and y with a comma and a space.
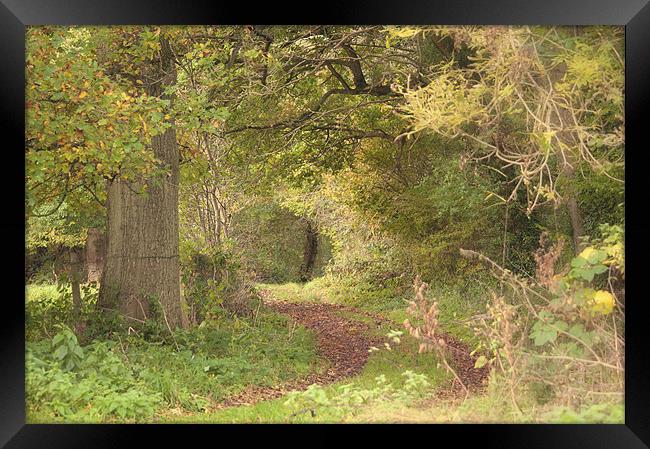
95, 247
562, 118
310, 252
577, 225
74, 271
142, 263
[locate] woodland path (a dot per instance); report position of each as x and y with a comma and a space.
344, 343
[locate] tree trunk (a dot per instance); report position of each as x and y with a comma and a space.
95, 247
142, 264
577, 225
562, 118
311, 249
74, 271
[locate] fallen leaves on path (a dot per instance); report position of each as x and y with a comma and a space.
344, 343
341, 341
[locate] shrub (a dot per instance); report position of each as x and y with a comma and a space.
47, 306
214, 281
561, 336
130, 378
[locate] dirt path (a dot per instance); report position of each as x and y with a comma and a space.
344, 343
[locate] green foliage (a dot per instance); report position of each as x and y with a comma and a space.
601, 200
602, 413
66, 349
83, 126
349, 397
64, 228
97, 386
491, 105
271, 242
47, 306
130, 379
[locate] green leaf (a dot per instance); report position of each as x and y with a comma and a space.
547, 336
598, 269
578, 262
61, 352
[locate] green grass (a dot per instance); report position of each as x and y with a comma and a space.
216, 360
391, 364
265, 351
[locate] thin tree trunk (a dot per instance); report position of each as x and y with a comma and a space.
577, 225
561, 117
75, 265
311, 250
142, 264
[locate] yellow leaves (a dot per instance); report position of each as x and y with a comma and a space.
402, 31
83, 94
616, 253
587, 252
446, 104
544, 140
603, 302
544, 190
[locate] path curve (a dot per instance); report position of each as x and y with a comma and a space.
344, 343
341, 341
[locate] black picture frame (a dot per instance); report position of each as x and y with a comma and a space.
15, 15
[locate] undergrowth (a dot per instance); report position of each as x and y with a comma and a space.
128, 378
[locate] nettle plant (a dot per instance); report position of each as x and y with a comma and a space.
561, 335
348, 398
85, 384
66, 349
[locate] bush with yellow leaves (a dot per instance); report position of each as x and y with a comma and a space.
560, 336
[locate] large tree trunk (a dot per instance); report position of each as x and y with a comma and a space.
142, 264
311, 249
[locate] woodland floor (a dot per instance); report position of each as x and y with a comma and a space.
344, 343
